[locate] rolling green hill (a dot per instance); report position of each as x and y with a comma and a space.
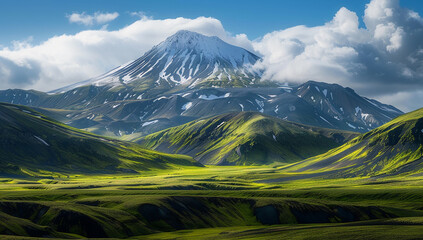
392, 149
33, 144
246, 138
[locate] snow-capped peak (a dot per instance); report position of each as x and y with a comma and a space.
187, 58
208, 46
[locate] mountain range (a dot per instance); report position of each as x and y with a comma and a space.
190, 76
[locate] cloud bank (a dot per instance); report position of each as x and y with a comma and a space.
66, 59
383, 59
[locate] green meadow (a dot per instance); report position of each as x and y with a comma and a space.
223, 202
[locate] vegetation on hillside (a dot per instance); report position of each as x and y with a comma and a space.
245, 138
34, 145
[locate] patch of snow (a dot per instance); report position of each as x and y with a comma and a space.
261, 105
219, 76
158, 99
41, 140
357, 110
274, 137
213, 97
149, 123
220, 125
187, 106
317, 88
115, 106
186, 94
140, 96
325, 92
351, 126
364, 116
242, 107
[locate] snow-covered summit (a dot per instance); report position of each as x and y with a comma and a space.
209, 47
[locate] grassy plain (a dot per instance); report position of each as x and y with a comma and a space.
221, 202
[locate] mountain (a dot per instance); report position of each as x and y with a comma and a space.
246, 138
392, 149
185, 58
343, 108
33, 144
190, 76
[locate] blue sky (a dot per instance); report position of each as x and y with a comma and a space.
20, 19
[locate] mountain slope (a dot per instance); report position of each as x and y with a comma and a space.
32, 144
245, 138
343, 108
394, 148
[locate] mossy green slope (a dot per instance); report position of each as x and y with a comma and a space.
246, 138
32, 144
392, 149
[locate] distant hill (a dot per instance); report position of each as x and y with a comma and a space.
33, 144
392, 149
245, 138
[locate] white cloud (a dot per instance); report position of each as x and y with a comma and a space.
300, 53
96, 18
139, 14
66, 59
384, 58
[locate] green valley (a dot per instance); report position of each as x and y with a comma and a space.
216, 201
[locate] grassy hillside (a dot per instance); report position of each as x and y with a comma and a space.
246, 138
392, 149
32, 144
